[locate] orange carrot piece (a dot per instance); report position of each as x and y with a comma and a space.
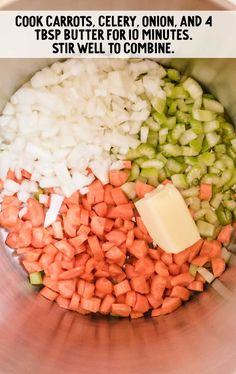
174, 269
32, 267
95, 248
101, 209
81, 259
25, 174
135, 315
138, 249
67, 265
104, 286
84, 217
181, 292
141, 225
161, 269
155, 303
63, 302
196, 286
57, 230
158, 286
118, 223
50, 283
77, 241
66, 288
183, 279
130, 272
85, 203
121, 310
205, 191
96, 192
65, 248
167, 258
118, 196
40, 237
46, 259
48, 294
115, 255
35, 212
139, 284
211, 248
54, 270
9, 216
115, 236
129, 238
142, 188
181, 257
118, 177
130, 298
128, 225
218, 266
195, 249
200, 260
83, 230
154, 254
122, 288
141, 304
91, 305
106, 304
144, 266
98, 225
108, 225
74, 303
170, 304
156, 312
88, 290
72, 200
166, 181
225, 234
107, 195
72, 273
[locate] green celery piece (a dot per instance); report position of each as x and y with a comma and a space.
213, 105
224, 215
36, 278
134, 173
207, 158
149, 172
183, 117
193, 270
154, 163
132, 154
152, 137
39, 192
139, 161
196, 144
179, 180
159, 118
173, 74
206, 229
158, 104
146, 150
196, 126
172, 108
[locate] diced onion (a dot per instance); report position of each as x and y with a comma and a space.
52, 213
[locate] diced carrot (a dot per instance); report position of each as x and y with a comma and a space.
120, 299
83, 230
181, 292
66, 288
118, 177
23, 250
40, 237
11, 175
130, 298
25, 235
170, 304
106, 304
106, 246
50, 283
81, 259
218, 266
118, 223
32, 267
135, 315
225, 234
35, 213
211, 248
122, 288
121, 310
161, 269
67, 265
115, 236
101, 209
78, 241
69, 227
158, 285
96, 192
88, 290
195, 249
166, 181
74, 303
46, 259
73, 215
118, 196
155, 303
92, 305
72, 200
107, 195
174, 269
115, 255
200, 278
25, 174
72, 273
98, 225
57, 230
200, 260
85, 203
167, 258
141, 225
108, 224
10, 201
54, 270
84, 217
12, 240
205, 191
104, 286
196, 286
62, 210
139, 284
183, 279
128, 225
130, 272
138, 233
95, 248
141, 304
181, 257
9, 216
124, 211
65, 248
142, 188
129, 238
184, 268
48, 294
156, 312
63, 302
138, 249
154, 254
120, 277
144, 266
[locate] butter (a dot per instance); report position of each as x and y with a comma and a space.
167, 219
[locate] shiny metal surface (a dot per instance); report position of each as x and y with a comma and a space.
38, 337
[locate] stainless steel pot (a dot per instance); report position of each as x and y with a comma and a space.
38, 337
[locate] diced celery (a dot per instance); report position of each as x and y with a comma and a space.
213, 170
154, 163
162, 158
197, 103
228, 131
190, 192
194, 173
213, 105
231, 182
144, 134
211, 217
190, 160
193, 202
178, 131
142, 179
210, 179
187, 136
39, 192
196, 126
173, 165
200, 214
36, 278
233, 142
188, 151
205, 229
193, 88
229, 204
227, 196
205, 204
183, 117
146, 150
152, 137
216, 200
162, 135
134, 173
207, 158
179, 180
225, 178
132, 154
170, 122
153, 181
203, 115
149, 172
219, 165
228, 162
173, 74
179, 92
153, 125
162, 175
171, 150
129, 189
172, 108
196, 144
211, 126
159, 118
225, 254
168, 88
212, 138
193, 270
158, 104
182, 105
139, 161
224, 215
220, 148
230, 152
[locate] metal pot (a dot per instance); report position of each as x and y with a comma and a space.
37, 336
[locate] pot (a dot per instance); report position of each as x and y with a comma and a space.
39, 337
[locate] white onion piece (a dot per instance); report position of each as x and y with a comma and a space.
22, 212
11, 186
144, 134
43, 199
117, 165
84, 190
206, 274
23, 196
52, 213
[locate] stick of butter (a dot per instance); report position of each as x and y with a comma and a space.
167, 219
